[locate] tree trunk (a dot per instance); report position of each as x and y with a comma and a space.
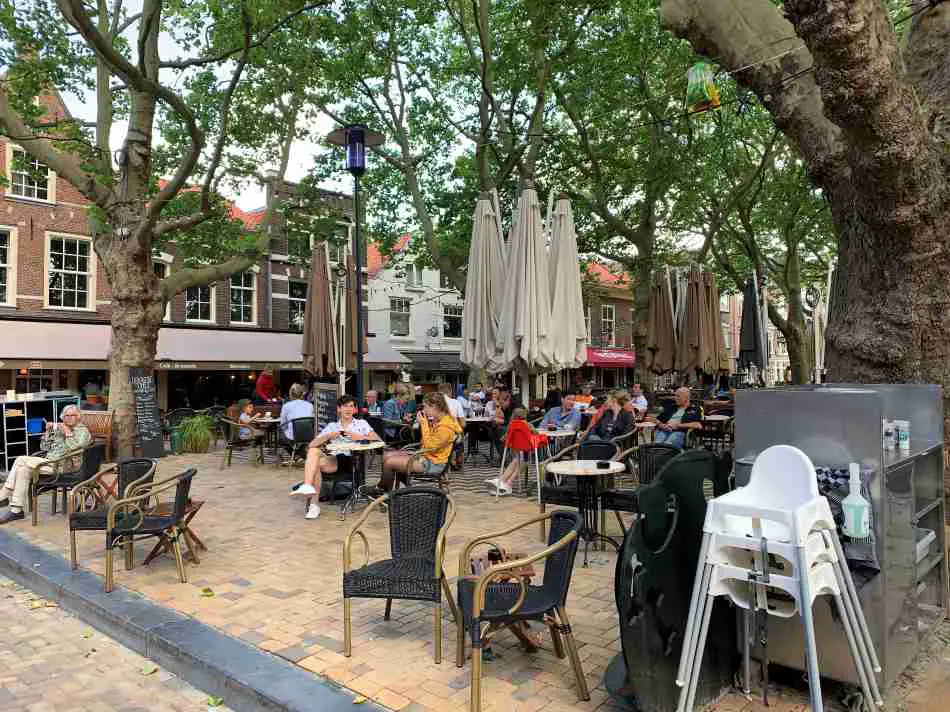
137, 310
799, 360
641, 300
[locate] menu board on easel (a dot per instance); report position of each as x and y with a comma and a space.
324, 403
148, 421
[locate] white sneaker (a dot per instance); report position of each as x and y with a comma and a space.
303, 490
501, 490
313, 511
493, 481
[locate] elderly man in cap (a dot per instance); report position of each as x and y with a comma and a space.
676, 419
59, 438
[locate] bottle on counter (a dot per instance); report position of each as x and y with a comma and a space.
902, 434
889, 440
855, 508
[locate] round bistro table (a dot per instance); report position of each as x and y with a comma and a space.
357, 451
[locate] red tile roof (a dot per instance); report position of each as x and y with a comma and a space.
251, 219
376, 261
609, 275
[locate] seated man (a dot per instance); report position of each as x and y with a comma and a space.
373, 406
58, 439
319, 463
676, 419
564, 416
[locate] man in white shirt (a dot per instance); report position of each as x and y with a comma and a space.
638, 400
455, 408
346, 426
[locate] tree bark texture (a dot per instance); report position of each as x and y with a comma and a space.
868, 120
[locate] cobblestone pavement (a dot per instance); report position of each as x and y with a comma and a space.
52, 662
275, 582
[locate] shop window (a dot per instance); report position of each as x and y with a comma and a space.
452, 321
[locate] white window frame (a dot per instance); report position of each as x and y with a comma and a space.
408, 312
167, 316
458, 316
92, 267
50, 178
252, 289
612, 320
213, 294
9, 299
413, 276
296, 300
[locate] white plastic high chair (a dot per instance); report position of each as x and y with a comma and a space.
778, 517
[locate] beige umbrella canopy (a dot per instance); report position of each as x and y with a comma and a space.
483, 286
569, 334
661, 335
694, 351
718, 360
351, 316
319, 341
524, 338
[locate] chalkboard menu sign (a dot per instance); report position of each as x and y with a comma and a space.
148, 422
324, 401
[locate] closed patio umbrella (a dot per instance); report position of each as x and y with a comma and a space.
718, 360
569, 338
694, 338
661, 336
751, 338
483, 286
319, 339
524, 339
351, 301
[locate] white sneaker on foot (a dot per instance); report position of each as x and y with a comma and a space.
303, 490
494, 481
313, 511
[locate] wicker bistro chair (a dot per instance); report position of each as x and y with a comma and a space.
486, 603
99, 423
61, 474
304, 430
419, 518
644, 463
88, 504
234, 441
130, 519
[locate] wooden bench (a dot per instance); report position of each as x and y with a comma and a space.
99, 423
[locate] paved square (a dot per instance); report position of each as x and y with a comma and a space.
276, 583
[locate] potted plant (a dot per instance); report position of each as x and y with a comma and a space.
194, 434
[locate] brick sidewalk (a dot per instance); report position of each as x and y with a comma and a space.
52, 662
276, 580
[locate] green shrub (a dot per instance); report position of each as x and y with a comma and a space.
195, 434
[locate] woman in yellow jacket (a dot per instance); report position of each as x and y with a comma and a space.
438, 429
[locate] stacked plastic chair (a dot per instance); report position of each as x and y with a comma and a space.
771, 546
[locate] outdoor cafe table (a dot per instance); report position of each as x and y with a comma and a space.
557, 436
716, 418
588, 477
646, 426
269, 425
358, 452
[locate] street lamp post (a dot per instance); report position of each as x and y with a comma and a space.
357, 138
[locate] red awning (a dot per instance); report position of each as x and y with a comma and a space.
611, 358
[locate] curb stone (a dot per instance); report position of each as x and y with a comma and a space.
249, 679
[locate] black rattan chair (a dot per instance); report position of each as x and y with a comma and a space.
88, 503
139, 516
304, 430
419, 518
61, 475
234, 441
487, 604
644, 463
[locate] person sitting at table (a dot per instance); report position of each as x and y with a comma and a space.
395, 410
438, 430
564, 416
320, 463
616, 418
586, 396
638, 401
292, 409
455, 408
265, 390
373, 406
247, 418
461, 395
552, 398
676, 419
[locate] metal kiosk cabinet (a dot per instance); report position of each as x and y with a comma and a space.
15, 436
842, 423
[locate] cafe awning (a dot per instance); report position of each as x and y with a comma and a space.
442, 361
47, 344
610, 358
383, 357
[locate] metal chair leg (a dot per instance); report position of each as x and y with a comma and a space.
73, 557
459, 642
851, 594
34, 505
453, 608
544, 536
698, 657
389, 608
860, 663
347, 628
698, 588
52, 502
129, 555
64, 501
556, 640
808, 625
475, 704
437, 632
561, 619
109, 573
